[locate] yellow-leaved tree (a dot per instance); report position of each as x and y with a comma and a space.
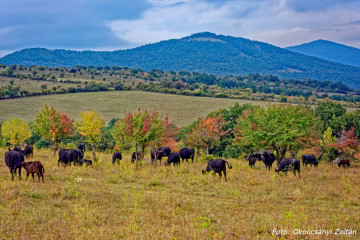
90, 127
16, 131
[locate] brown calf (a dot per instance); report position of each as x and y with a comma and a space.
34, 167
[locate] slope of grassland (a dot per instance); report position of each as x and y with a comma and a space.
111, 202
181, 109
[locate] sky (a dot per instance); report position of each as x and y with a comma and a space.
122, 24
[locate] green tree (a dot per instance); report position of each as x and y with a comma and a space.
281, 127
16, 131
90, 127
331, 115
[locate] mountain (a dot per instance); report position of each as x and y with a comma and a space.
202, 52
330, 51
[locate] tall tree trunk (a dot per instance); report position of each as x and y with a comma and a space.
136, 156
56, 147
94, 153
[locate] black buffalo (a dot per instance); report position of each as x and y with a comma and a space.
133, 156
13, 160
156, 154
218, 166
28, 151
187, 153
68, 156
116, 157
165, 151
268, 159
252, 158
344, 162
287, 164
174, 158
87, 162
309, 159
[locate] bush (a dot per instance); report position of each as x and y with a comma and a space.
231, 152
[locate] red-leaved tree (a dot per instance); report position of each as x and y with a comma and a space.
348, 143
145, 128
207, 133
53, 126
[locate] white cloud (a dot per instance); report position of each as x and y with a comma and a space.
273, 21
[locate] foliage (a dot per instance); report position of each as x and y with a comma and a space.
208, 133
331, 115
90, 127
145, 128
281, 128
348, 143
16, 131
53, 126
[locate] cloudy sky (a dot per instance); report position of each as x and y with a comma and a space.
121, 24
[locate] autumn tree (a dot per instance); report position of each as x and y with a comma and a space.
208, 132
144, 128
90, 127
348, 143
53, 126
281, 128
16, 131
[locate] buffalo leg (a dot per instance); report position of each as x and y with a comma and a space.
33, 175
225, 174
19, 173
27, 175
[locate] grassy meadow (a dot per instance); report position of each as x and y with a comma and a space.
158, 202
181, 109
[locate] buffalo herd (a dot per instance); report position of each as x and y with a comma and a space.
14, 159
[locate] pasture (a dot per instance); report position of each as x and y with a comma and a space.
156, 202
181, 109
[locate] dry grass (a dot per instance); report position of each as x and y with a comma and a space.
181, 109
112, 202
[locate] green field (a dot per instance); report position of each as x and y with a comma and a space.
181, 109
158, 202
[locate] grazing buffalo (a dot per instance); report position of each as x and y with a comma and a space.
134, 157
344, 162
165, 151
68, 156
218, 165
34, 167
336, 161
13, 160
309, 159
174, 158
187, 153
157, 154
87, 162
287, 164
268, 159
116, 157
252, 158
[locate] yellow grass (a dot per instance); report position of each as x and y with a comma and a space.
113, 202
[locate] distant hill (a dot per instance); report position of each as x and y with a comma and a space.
330, 51
201, 52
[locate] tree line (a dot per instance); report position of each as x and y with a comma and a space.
328, 131
105, 78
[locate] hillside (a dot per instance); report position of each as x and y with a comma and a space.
330, 51
202, 52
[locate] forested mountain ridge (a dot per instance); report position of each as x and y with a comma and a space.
330, 51
201, 52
